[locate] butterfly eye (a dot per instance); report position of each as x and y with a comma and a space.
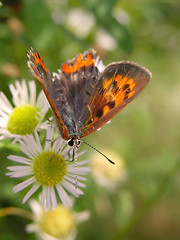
71, 142
78, 142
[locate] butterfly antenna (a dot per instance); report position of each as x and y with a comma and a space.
98, 152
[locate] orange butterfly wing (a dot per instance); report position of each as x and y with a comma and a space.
117, 86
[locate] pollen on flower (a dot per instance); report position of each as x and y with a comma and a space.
58, 223
23, 120
49, 168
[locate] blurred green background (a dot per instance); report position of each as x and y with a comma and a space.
146, 134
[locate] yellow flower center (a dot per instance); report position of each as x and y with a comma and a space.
23, 120
58, 223
49, 168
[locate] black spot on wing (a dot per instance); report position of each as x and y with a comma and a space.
116, 90
99, 113
113, 84
111, 104
127, 91
125, 86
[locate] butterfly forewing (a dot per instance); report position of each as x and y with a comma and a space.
117, 86
43, 76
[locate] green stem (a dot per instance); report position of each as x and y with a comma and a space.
15, 211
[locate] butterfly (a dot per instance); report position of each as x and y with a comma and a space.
83, 98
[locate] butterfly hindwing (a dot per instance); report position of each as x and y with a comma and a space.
117, 86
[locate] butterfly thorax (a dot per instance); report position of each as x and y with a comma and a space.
72, 126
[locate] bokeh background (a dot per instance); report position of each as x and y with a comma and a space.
145, 135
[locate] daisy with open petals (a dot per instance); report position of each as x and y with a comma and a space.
59, 224
26, 112
50, 168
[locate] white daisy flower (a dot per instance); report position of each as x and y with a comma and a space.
50, 168
59, 224
105, 40
80, 22
26, 112
108, 175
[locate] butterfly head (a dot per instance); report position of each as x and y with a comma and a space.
74, 142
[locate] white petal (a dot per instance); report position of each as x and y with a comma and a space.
19, 93
42, 104
32, 92
31, 192
49, 135
79, 163
19, 168
24, 184
63, 196
35, 207
15, 97
4, 110
31, 144
18, 174
39, 147
48, 199
4, 121
81, 153
19, 171
3, 117
81, 170
5, 102
71, 188
25, 149
2, 137
83, 162
82, 216
99, 64
58, 144
31, 228
72, 180
43, 196
24, 94
66, 151
20, 159
79, 177
53, 198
